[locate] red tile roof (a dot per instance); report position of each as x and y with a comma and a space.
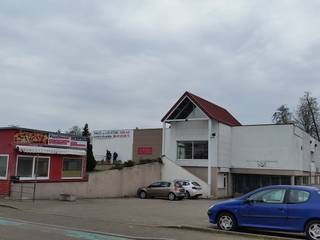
212, 110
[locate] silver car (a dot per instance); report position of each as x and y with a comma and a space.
192, 188
163, 189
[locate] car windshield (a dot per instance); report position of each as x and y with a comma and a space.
196, 184
177, 184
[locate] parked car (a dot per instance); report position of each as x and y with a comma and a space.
192, 188
283, 208
163, 189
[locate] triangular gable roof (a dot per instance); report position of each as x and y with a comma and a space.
212, 110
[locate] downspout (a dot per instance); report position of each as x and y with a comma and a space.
209, 156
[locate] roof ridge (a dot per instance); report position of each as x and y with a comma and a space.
212, 110
208, 101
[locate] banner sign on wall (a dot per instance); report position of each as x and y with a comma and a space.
145, 150
111, 133
53, 139
78, 142
31, 137
59, 139
66, 141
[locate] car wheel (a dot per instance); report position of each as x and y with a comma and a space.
187, 195
143, 195
226, 221
172, 196
313, 230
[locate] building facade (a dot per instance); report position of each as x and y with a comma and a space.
209, 142
40, 157
129, 144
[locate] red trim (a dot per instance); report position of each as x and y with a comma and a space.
212, 110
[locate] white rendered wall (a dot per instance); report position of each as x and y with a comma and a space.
224, 146
122, 145
192, 130
310, 153
265, 147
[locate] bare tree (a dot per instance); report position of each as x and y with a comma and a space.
282, 115
75, 130
308, 114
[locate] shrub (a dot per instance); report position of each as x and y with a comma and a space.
129, 163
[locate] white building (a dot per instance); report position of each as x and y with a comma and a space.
210, 143
119, 141
129, 144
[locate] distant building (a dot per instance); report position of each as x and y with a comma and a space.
129, 144
209, 142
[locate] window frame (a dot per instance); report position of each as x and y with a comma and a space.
284, 198
6, 176
288, 196
81, 171
34, 177
192, 149
155, 185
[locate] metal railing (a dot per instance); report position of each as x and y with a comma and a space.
22, 191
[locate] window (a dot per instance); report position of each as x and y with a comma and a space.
298, 196
3, 166
30, 167
196, 184
72, 168
269, 196
192, 150
41, 167
165, 184
186, 184
155, 185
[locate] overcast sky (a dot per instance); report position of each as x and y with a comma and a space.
122, 64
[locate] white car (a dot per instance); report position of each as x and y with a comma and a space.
192, 188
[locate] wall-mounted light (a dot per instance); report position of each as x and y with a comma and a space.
213, 135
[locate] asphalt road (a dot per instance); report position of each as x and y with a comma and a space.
95, 219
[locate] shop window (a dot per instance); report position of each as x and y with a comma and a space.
30, 167
3, 166
72, 168
192, 150
41, 168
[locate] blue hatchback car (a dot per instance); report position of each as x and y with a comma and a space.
284, 208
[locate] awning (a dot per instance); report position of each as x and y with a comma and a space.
50, 150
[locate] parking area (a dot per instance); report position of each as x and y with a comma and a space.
126, 216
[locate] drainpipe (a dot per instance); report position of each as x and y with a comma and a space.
209, 156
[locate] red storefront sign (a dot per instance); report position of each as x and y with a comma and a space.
67, 141
145, 150
59, 140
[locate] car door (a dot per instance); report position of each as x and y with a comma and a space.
266, 208
164, 189
153, 189
299, 208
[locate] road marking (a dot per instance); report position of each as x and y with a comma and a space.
90, 236
4, 222
76, 232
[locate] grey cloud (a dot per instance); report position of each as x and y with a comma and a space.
122, 64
